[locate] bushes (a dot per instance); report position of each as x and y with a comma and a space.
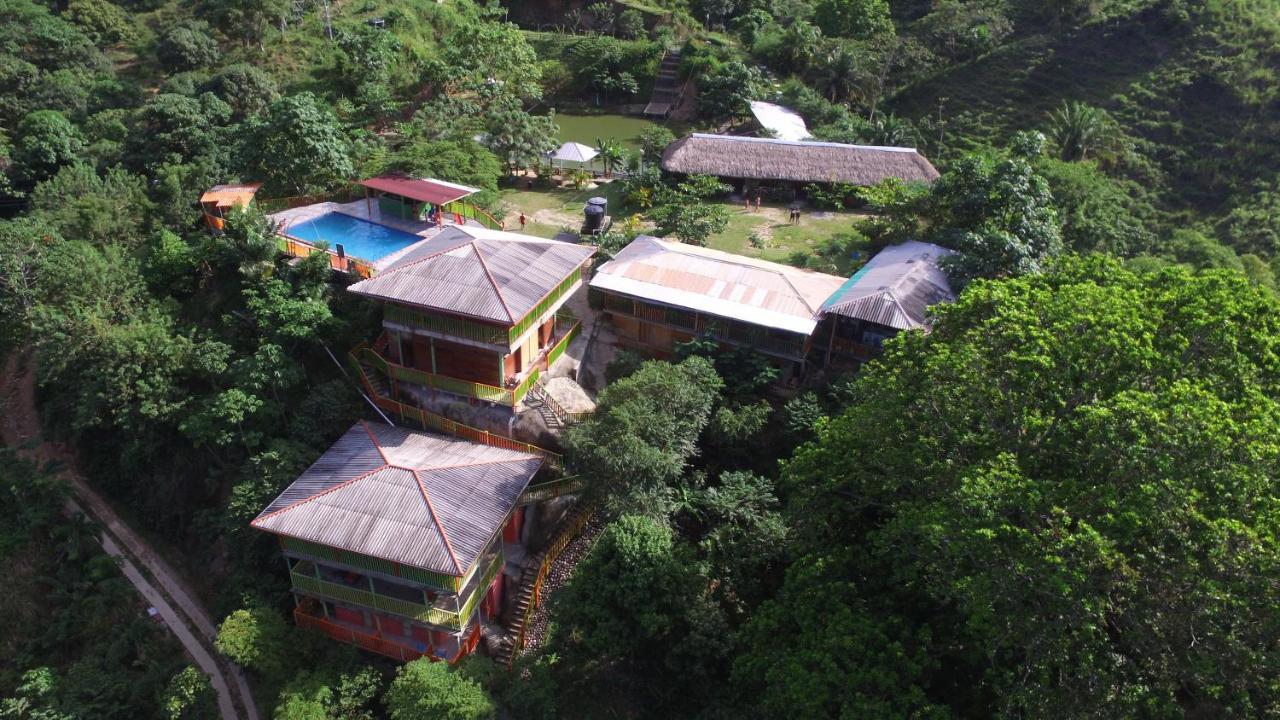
188, 45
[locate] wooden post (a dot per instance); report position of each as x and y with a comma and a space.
831, 342
368, 203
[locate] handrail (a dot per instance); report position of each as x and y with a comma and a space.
370, 599
550, 489
296, 247
367, 641
442, 424
549, 557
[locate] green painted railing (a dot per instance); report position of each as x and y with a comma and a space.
489, 393
370, 599
558, 349
447, 583
448, 326
544, 305
467, 210
523, 388
470, 605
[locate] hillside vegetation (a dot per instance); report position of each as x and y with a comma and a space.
1059, 503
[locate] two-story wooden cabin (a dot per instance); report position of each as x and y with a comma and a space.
657, 293
395, 539
474, 312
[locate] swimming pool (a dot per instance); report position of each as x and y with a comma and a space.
359, 238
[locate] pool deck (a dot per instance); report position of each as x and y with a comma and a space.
365, 211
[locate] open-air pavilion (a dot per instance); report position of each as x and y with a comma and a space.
573, 152
409, 198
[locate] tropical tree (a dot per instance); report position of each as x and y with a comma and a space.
654, 141
684, 212
612, 154
725, 93
426, 690
1078, 130
853, 18
1086, 526
297, 146
45, 142
643, 433
997, 213
188, 45
521, 139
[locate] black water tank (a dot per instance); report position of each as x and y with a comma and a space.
594, 217
602, 202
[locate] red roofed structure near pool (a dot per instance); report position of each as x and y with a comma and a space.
436, 192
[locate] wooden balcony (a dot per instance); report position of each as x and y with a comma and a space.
370, 640
438, 614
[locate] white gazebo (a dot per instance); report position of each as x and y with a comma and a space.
572, 152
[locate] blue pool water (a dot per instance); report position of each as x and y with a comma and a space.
359, 238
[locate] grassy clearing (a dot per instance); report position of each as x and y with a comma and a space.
551, 211
781, 238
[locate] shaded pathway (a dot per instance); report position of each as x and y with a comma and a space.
150, 575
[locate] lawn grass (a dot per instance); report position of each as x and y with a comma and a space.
550, 211
781, 237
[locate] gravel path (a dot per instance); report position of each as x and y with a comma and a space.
535, 634
150, 575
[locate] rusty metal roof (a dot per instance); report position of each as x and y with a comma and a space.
895, 288
225, 196
436, 192
422, 500
490, 275
718, 283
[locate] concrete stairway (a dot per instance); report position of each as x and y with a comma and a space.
666, 87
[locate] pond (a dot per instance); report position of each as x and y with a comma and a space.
591, 129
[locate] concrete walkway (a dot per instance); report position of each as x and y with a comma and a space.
149, 574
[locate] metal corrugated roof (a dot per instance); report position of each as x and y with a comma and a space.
492, 275
231, 195
421, 500
437, 192
718, 283
786, 124
895, 288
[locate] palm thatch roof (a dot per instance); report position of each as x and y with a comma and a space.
787, 160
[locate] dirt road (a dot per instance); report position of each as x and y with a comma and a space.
153, 578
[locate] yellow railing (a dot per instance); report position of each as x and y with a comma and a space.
551, 489
523, 388
558, 349
367, 598
439, 423
544, 305
294, 247
553, 551
467, 210
454, 327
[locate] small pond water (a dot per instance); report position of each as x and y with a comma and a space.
591, 129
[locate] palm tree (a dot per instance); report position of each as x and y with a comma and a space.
891, 131
612, 154
1079, 129
841, 73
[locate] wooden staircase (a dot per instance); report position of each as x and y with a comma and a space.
666, 87
540, 400
529, 596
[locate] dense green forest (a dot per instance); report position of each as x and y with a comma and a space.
1059, 503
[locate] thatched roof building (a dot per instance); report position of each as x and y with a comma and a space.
746, 158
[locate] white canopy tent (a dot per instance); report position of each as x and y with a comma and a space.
572, 152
